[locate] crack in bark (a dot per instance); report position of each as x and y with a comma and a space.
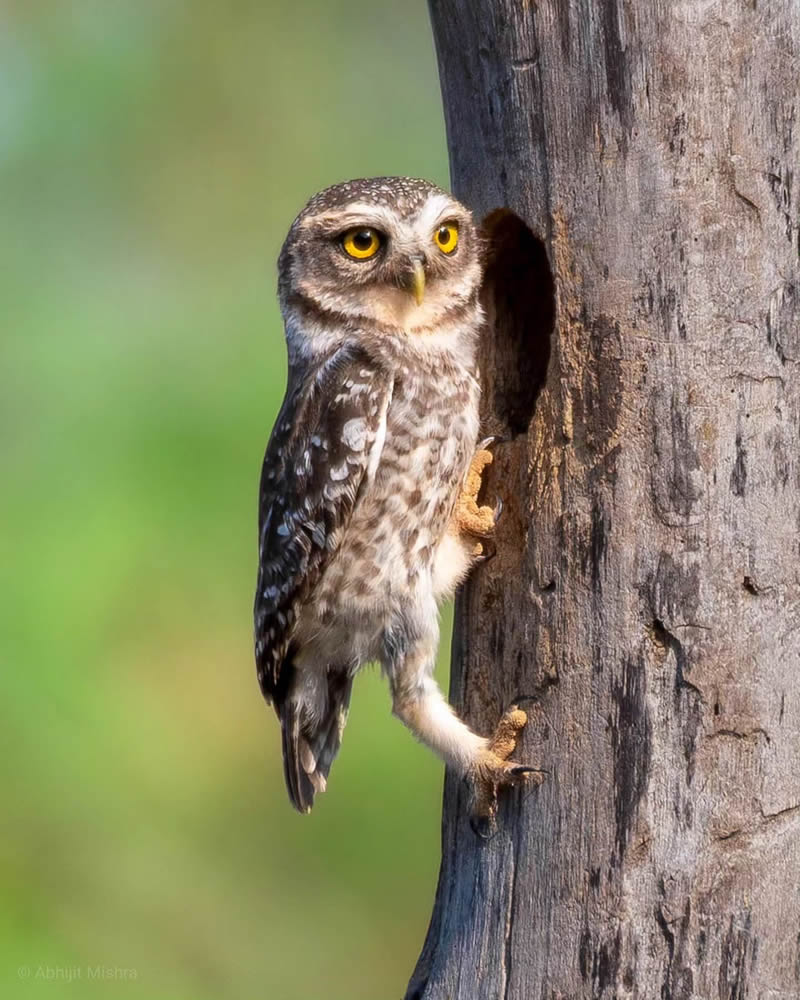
737, 959
760, 827
509, 932
749, 736
748, 377
748, 202
669, 937
786, 811
678, 978
673, 643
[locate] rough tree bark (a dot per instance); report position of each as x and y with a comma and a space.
644, 604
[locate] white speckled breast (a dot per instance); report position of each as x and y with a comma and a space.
386, 558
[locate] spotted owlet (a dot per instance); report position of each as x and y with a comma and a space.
368, 513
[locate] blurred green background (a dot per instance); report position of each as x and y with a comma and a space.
152, 156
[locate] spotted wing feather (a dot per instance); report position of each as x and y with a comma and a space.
316, 463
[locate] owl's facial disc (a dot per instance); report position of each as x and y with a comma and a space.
404, 264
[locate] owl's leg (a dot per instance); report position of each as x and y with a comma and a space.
419, 703
468, 517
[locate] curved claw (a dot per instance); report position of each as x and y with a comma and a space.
484, 556
498, 510
492, 439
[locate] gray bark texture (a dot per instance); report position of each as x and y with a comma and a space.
644, 602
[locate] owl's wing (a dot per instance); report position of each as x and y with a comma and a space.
326, 442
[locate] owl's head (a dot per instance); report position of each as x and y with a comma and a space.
393, 251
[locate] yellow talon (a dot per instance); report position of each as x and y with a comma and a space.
493, 770
470, 518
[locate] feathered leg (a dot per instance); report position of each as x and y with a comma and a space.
419, 703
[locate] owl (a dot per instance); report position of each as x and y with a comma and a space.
368, 506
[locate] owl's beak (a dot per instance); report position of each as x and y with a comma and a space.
418, 281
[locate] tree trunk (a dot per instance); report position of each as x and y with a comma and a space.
644, 603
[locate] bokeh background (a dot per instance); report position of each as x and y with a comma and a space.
152, 156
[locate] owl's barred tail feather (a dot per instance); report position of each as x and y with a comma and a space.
310, 747
298, 783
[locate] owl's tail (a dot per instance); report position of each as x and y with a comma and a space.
310, 745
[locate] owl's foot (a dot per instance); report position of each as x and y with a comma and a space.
493, 770
470, 518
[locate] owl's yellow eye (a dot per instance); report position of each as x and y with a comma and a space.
446, 237
361, 243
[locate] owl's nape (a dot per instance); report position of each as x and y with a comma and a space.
363, 525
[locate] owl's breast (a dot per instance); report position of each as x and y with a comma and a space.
431, 430
403, 512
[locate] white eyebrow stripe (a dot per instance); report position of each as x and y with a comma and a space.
436, 210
